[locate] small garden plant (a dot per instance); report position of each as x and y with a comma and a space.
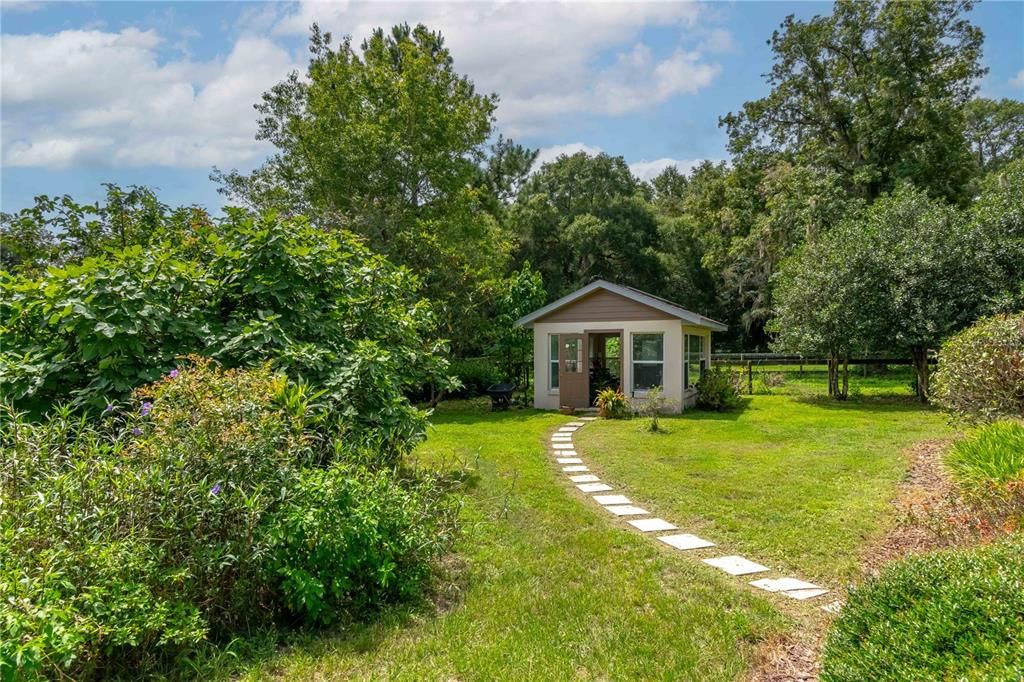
719, 390
612, 404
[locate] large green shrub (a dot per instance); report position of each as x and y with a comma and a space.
980, 376
474, 375
246, 290
719, 390
953, 615
129, 534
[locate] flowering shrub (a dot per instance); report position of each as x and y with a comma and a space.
129, 536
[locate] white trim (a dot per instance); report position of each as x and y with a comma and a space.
626, 292
641, 392
552, 390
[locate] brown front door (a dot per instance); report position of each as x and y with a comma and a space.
573, 379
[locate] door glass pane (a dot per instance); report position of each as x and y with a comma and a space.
650, 347
573, 356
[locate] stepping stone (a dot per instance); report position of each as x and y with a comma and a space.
650, 525
685, 541
611, 499
562, 446
588, 419
626, 510
566, 453
783, 584
594, 487
735, 565
576, 424
560, 439
584, 478
569, 429
574, 468
805, 594
569, 460
563, 436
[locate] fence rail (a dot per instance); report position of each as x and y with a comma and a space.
783, 359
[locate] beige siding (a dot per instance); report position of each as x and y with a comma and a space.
604, 306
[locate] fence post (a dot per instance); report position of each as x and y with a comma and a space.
750, 377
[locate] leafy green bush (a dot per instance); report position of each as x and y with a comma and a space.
719, 390
475, 375
612, 404
129, 535
348, 540
952, 615
253, 288
980, 376
993, 453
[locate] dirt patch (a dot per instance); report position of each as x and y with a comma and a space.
926, 483
788, 659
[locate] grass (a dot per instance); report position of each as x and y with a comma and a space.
800, 484
994, 453
552, 587
555, 588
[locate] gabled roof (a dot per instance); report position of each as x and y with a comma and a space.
626, 292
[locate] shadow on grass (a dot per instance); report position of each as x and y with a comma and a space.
872, 403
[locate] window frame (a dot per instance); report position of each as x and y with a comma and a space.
689, 385
554, 344
633, 362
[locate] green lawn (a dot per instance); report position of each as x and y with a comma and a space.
556, 588
801, 484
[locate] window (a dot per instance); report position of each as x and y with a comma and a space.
574, 356
694, 363
648, 361
553, 362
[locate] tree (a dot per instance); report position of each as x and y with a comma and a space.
59, 230
506, 169
668, 190
875, 91
995, 131
385, 141
581, 217
823, 297
998, 216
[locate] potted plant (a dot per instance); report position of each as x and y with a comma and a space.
611, 404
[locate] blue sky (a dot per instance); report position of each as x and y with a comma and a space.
158, 93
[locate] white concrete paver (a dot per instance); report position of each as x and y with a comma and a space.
685, 541
805, 594
783, 584
594, 487
584, 478
570, 460
568, 429
626, 510
611, 499
651, 525
574, 468
562, 446
735, 565
576, 424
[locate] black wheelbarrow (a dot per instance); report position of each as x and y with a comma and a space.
501, 396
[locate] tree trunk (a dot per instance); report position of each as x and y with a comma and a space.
833, 380
846, 378
920, 356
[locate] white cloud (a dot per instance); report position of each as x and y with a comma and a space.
96, 97
718, 40
648, 170
1018, 80
543, 58
549, 154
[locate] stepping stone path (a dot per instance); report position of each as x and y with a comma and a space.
565, 454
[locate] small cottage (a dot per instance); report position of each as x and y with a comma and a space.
610, 336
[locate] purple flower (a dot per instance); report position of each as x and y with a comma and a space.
136, 431
173, 374
109, 408
215, 490
146, 408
